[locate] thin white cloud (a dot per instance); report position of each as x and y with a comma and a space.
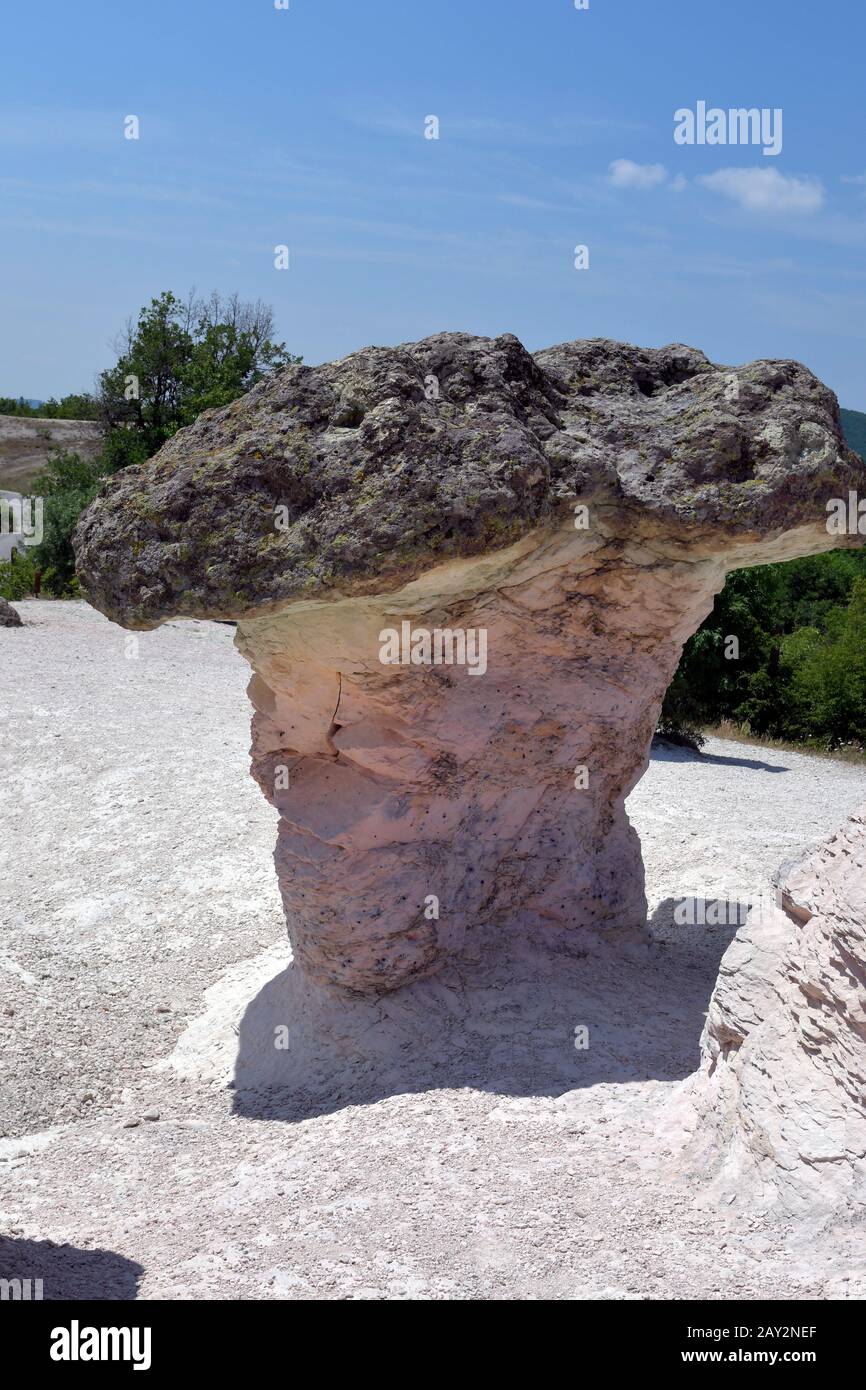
766, 190
624, 173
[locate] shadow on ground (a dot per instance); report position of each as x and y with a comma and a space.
663, 751
66, 1272
506, 1020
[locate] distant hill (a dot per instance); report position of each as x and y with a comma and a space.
854, 425
27, 441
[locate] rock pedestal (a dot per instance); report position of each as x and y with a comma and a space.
557, 525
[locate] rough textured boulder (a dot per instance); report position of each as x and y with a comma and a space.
781, 1096
9, 616
576, 509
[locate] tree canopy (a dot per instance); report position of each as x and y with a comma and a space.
178, 358
799, 672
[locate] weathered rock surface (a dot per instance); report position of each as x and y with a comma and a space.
579, 508
9, 616
781, 1096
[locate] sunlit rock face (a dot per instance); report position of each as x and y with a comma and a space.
781, 1097
463, 576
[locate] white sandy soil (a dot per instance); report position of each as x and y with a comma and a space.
449, 1142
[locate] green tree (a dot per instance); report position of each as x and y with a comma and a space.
67, 485
78, 406
178, 359
801, 670
828, 676
799, 665
182, 357
12, 405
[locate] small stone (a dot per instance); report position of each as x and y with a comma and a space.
9, 616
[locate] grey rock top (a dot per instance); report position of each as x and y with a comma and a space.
359, 474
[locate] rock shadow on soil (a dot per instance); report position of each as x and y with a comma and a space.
41, 1269
535, 1016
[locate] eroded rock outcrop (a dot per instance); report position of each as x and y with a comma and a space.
781, 1095
573, 513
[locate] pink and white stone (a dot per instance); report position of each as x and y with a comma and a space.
579, 506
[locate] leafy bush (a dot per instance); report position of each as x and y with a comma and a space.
17, 577
67, 485
801, 671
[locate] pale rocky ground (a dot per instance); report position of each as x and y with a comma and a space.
472, 1154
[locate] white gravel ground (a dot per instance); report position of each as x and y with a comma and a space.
485, 1158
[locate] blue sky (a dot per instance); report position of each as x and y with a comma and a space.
305, 127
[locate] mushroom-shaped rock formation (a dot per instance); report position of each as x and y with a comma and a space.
780, 1100
463, 575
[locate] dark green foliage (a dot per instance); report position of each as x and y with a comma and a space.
801, 670
179, 359
123, 447
67, 485
79, 406
17, 577
10, 406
